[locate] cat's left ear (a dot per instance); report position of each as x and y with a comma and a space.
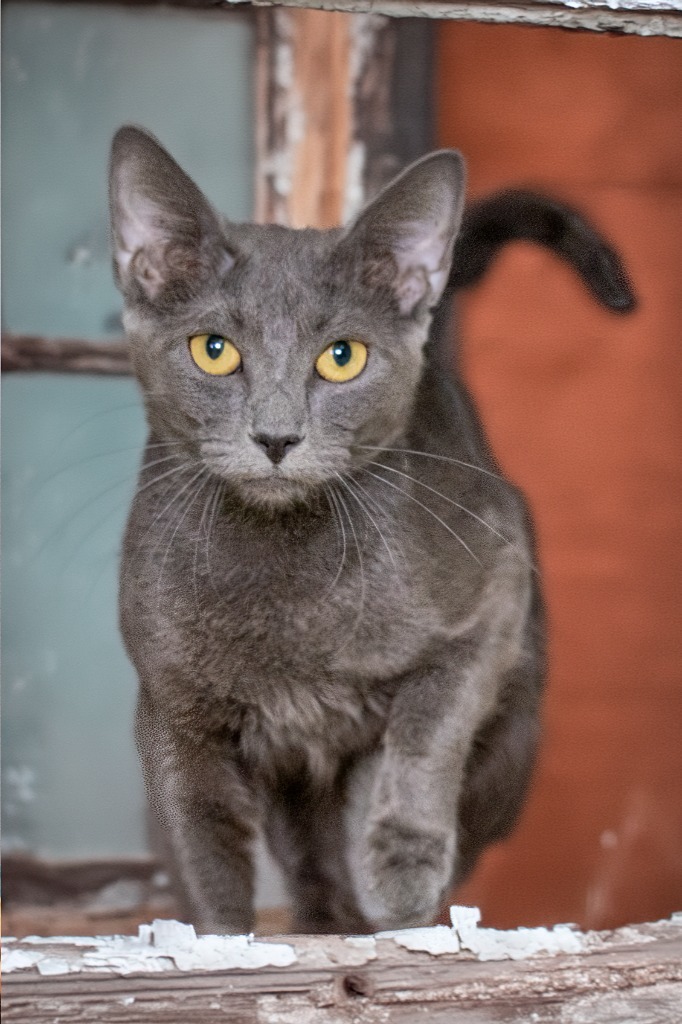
167, 238
407, 234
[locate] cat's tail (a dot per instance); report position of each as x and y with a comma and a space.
521, 215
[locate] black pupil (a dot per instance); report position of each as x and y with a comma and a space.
341, 351
214, 346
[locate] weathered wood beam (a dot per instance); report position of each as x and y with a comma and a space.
28, 352
626, 17
633, 974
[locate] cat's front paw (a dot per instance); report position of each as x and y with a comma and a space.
407, 872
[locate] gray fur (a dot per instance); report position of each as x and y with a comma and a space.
342, 650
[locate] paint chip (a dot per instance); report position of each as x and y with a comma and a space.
436, 940
493, 944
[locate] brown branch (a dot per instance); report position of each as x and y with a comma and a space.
29, 353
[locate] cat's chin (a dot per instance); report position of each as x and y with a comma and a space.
272, 492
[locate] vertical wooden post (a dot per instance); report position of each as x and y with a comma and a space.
323, 105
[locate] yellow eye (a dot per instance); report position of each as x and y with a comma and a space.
214, 354
343, 360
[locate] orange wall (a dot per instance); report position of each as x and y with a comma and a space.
584, 410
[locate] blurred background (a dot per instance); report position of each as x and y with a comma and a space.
584, 410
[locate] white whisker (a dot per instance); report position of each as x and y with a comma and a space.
426, 509
379, 509
364, 508
200, 530
457, 504
441, 458
358, 617
192, 497
185, 467
213, 516
339, 523
159, 515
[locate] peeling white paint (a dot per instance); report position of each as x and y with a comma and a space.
359, 949
168, 945
53, 965
18, 959
280, 161
366, 942
436, 940
161, 946
492, 944
354, 196
363, 29
486, 943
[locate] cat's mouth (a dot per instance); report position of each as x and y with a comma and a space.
272, 485
273, 490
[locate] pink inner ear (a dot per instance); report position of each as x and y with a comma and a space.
410, 288
137, 229
147, 273
148, 251
422, 257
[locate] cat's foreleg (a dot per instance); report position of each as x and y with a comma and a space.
207, 815
304, 829
403, 850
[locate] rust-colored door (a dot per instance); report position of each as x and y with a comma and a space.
584, 410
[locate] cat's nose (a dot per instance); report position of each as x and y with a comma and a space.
276, 447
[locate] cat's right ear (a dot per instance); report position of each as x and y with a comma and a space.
407, 234
167, 238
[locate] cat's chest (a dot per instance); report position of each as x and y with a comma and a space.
254, 621
298, 672
294, 622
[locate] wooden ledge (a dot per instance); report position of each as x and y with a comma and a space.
633, 974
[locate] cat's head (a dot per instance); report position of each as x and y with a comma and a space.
273, 355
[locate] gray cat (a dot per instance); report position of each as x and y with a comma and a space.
327, 587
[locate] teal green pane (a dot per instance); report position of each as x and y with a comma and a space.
72, 75
71, 781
